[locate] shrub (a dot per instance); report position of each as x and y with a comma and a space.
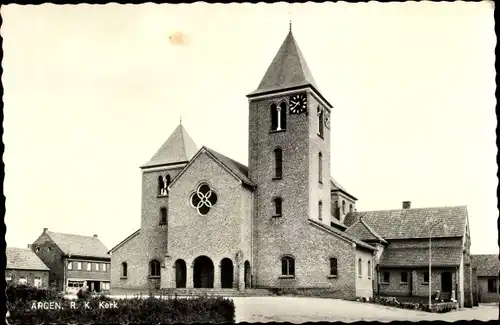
437, 307
27, 293
134, 310
83, 294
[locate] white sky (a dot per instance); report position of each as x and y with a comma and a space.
91, 92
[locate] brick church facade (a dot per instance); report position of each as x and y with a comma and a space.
209, 221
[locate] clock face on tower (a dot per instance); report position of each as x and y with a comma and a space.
298, 103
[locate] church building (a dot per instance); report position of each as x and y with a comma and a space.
209, 221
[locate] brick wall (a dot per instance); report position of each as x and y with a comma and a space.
134, 253
52, 256
30, 276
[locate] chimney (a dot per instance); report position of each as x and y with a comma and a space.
95, 236
29, 246
45, 230
406, 204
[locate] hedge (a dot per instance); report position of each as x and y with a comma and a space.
436, 307
105, 310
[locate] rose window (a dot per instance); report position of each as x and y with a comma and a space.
203, 199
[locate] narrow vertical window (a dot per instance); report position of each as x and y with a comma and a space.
360, 268
274, 117
321, 118
124, 269
163, 216
369, 269
336, 210
278, 207
350, 207
320, 210
320, 167
161, 185
154, 268
343, 206
287, 266
333, 267
278, 163
426, 277
282, 116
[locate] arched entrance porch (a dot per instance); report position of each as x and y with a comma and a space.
226, 273
203, 272
180, 273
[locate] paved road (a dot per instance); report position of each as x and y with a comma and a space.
301, 309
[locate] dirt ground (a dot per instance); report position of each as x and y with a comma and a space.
301, 309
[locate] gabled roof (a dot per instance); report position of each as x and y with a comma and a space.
237, 169
179, 147
287, 70
414, 223
335, 186
135, 233
339, 233
24, 259
486, 265
419, 257
78, 245
364, 232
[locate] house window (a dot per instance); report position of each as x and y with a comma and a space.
79, 266
426, 277
70, 265
278, 163
203, 199
343, 206
320, 167
37, 282
360, 268
321, 118
105, 285
386, 277
163, 216
124, 269
154, 268
278, 206
96, 266
103, 267
23, 280
350, 207
333, 266
492, 285
369, 269
320, 210
288, 266
89, 266
404, 277
278, 117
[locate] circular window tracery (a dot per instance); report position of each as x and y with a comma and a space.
203, 199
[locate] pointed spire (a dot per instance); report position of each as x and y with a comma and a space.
178, 148
288, 69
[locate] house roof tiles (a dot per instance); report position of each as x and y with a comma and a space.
23, 259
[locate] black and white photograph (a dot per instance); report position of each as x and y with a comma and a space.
226, 163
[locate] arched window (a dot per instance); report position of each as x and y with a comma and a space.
124, 269
278, 117
336, 210
163, 216
161, 185
278, 207
282, 116
333, 266
168, 180
320, 167
369, 269
288, 266
360, 268
154, 268
278, 163
274, 117
343, 206
321, 118
320, 210
350, 207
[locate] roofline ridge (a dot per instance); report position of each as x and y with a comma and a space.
422, 208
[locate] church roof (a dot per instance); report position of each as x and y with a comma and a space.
134, 234
179, 147
342, 234
287, 70
486, 265
335, 186
411, 223
79, 245
23, 259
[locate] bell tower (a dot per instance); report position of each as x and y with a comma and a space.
289, 158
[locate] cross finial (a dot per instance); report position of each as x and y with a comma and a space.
290, 25
180, 120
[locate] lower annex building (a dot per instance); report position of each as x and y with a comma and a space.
208, 221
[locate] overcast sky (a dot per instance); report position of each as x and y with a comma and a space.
91, 92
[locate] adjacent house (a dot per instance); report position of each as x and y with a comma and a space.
24, 267
76, 262
487, 268
406, 239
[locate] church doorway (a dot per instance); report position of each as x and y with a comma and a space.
226, 273
248, 275
446, 282
180, 274
203, 272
